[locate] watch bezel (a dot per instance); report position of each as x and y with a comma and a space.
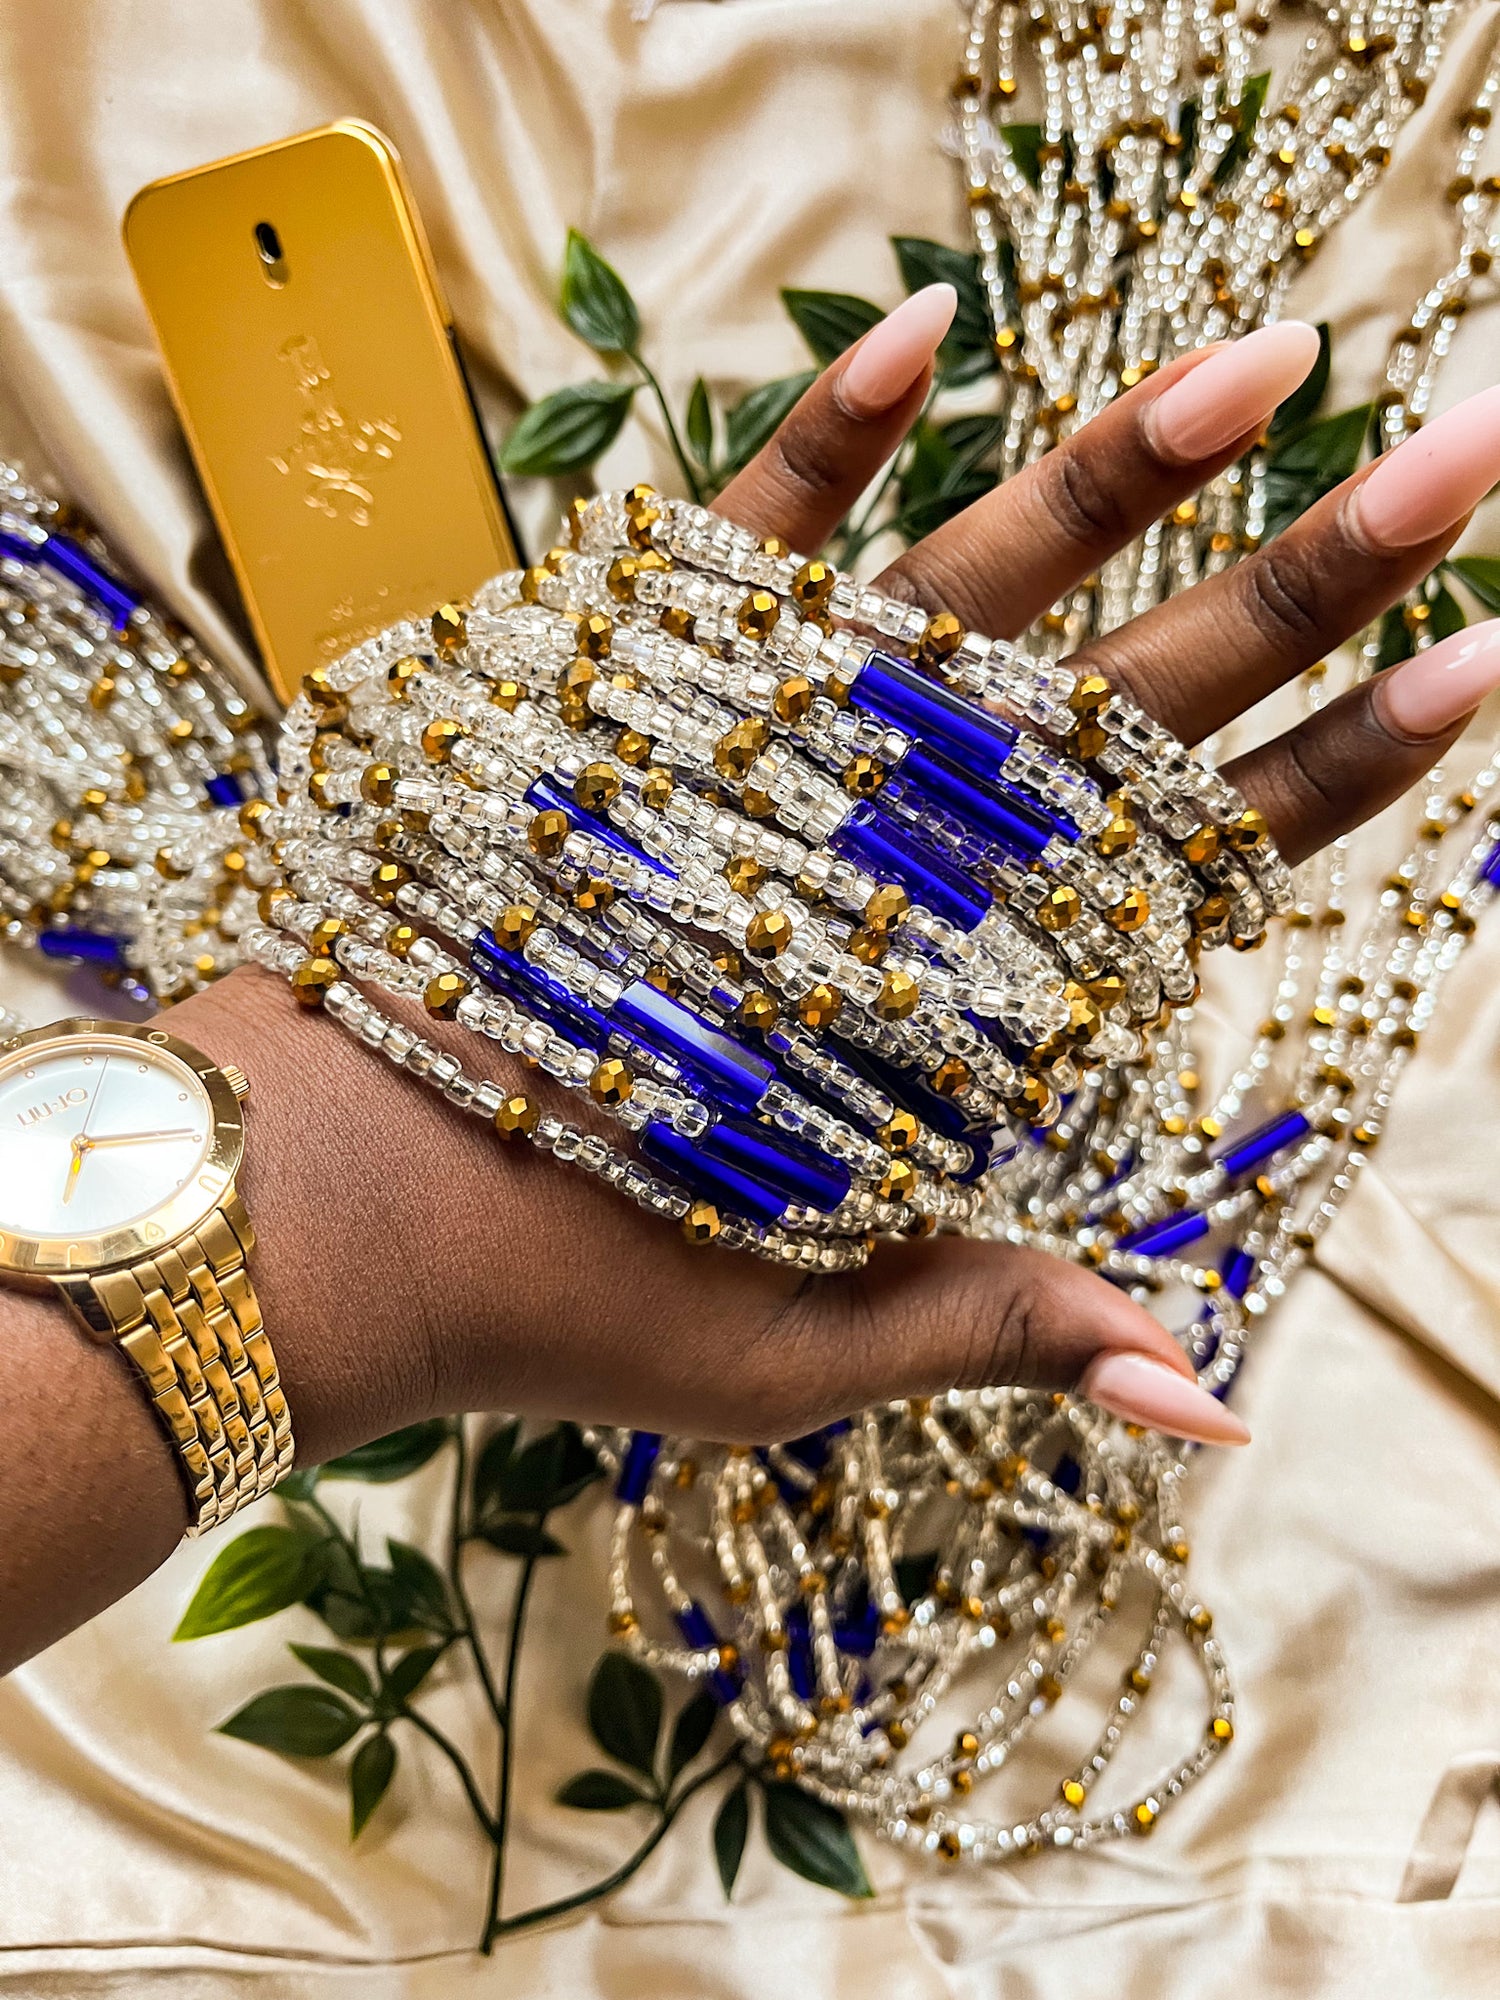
41, 1257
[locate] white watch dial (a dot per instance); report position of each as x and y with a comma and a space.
95, 1135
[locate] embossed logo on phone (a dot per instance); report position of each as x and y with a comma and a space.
337, 459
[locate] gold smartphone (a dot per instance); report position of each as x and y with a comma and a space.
311, 358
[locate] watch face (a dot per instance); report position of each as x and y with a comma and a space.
99, 1133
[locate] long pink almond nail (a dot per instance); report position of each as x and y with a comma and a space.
1145, 1391
1427, 694
1432, 480
1234, 391
893, 353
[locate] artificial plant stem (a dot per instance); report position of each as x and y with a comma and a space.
525, 1919
458, 1536
684, 463
457, 1759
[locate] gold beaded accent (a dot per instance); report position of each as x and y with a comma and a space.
312, 979
768, 933
443, 993
450, 630
439, 737
516, 1116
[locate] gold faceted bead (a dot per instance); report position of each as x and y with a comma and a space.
951, 1076
820, 1007
887, 907
656, 789
869, 947
507, 695
768, 933
1035, 1100
677, 623
899, 1134
443, 994
576, 679
93, 798
514, 926
899, 1183
759, 1011
1087, 741
1130, 913
941, 640
62, 833
1248, 832
664, 979
400, 938
1118, 837
1073, 1794
621, 578
812, 586
863, 777
1084, 1017
167, 866
701, 1224
1059, 908
633, 748
547, 832
1202, 847
320, 690
738, 748
595, 893
793, 698
594, 635
377, 784
399, 677
744, 874
758, 614
270, 900
1221, 1729
102, 693
758, 804
1090, 697
312, 979
180, 729
728, 962
439, 737
898, 996
253, 815
639, 521
595, 786
1144, 1816
611, 1082
450, 629
386, 880
516, 1116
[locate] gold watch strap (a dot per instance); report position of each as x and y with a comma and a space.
189, 1320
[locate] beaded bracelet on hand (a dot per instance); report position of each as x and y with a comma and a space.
126, 756
826, 934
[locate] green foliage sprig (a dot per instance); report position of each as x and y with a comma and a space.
398, 1614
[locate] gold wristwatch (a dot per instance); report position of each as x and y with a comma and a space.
119, 1147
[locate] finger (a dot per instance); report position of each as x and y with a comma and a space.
825, 453
1206, 656
1362, 751
1010, 556
928, 1316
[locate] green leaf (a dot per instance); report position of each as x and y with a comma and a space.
1301, 405
298, 1721
519, 1537
549, 1472
600, 1791
299, 1484
366, 1605
1447, 614
625, 1711
370, 1773
813, 1840
421, 1586
692, 1729
595, 300
830, 322
409, 1672
1025, 143
1396, 642
756, 416
393, 1457
968, 348
489, 1469
700, 424
1247, 116
567, 430
1301, 471
731, 1825
1482, 575
340, 1670
259, 1573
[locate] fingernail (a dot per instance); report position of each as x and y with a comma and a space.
1428, 693
1234, 391
1144, 1391
894, 353
1432, 480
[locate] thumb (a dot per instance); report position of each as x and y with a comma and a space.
953, 1311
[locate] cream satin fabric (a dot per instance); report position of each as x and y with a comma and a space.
1350, 1843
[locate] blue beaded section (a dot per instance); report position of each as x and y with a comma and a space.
1244, 1155
872, 840
635, 1468
508, 972
1490, 872
544, 795
710, 1181
893, 690
735, 1076
694, 1625
1237, 1270
69, 560
749, 1169
922, 780
225, 788
1166, 1238
97, 947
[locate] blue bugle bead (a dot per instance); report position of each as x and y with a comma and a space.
1013, 822
97, 947
698, 1632
635, 1468
538, 991
872, 840
1164, 1239
710, 1180
1243, 1156
893, 690
69, 560
224, 788
735, 1076
1490, 872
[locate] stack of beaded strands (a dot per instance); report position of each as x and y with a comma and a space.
127, 759
857, 1574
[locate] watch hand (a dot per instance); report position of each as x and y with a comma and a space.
80, 1147
131, 1138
